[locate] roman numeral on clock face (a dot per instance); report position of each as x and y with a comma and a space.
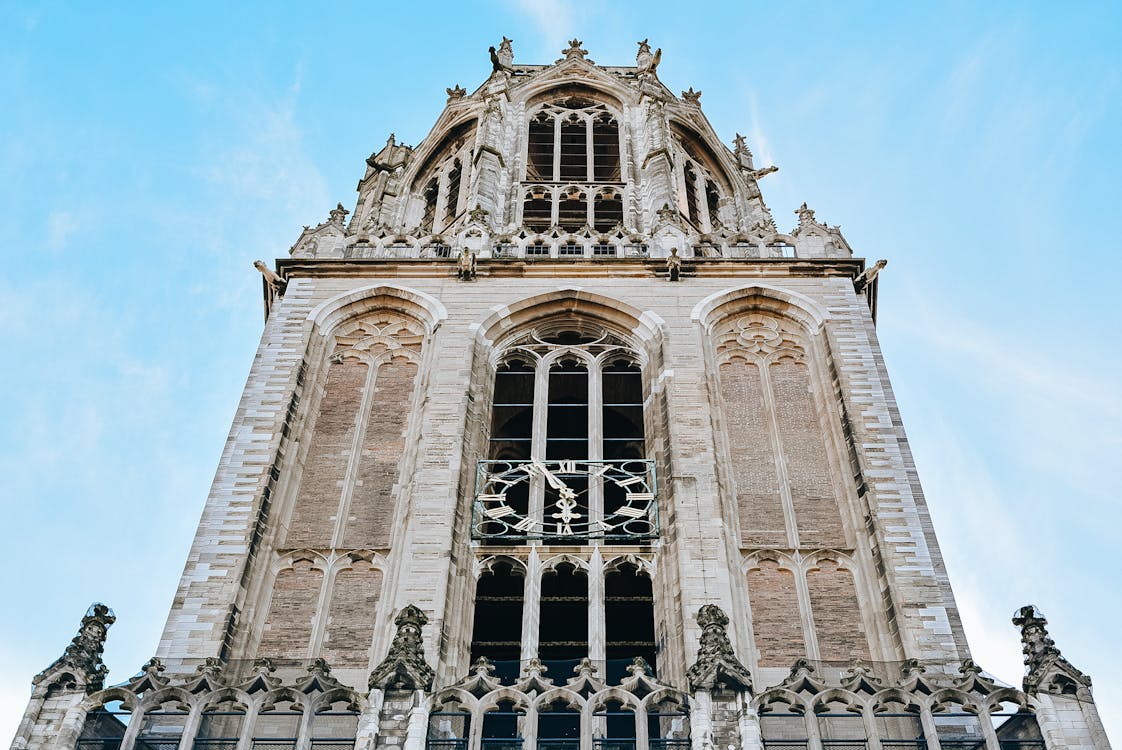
524, 525
630, 512
499, 511
629, 481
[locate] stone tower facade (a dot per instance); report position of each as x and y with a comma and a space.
559, 442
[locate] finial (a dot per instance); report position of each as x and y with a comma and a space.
716, 662
81, 661
574, 50
692, 97
404, 667
456, 92
337, 214
1045, 667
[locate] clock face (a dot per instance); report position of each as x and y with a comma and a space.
612, 500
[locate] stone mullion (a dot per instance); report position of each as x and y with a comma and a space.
703, 202
806, 614
362, 420
595, 441
597, 627
531, 604
323, 608
556, 149
540, 423
785, 499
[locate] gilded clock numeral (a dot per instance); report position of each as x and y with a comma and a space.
567, 467
491, 498
630, 512
524, 525
604, 526
629, 481
640, 497
500, 511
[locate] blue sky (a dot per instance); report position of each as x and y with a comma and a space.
148, 154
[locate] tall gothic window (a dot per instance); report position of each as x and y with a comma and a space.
436, 187
573, 167
567, 450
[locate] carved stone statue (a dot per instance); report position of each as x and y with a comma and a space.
674, 264
503, 57
338, 214
404, 667
466, 270
645, 61
271, 277
743, 154
716, 663
82, 658
862, 282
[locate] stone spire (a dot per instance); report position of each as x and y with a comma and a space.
716, 663
82, 658
1045, 668
404, 666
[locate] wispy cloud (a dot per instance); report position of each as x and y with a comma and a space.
554, 19
760, 143
60, 226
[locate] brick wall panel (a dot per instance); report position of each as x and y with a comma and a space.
317, 505
372, 504
350, 628
837, 615
775, 615
288, 626
753, 460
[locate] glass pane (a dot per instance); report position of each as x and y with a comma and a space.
574, 152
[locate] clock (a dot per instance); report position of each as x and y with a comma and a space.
579, 499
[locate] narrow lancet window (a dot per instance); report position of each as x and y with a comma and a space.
605, 150
539, 162
452, 202
628, 620
563, 635
574, 150
497, 631
690, 178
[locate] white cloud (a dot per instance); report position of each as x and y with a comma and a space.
60, 226
757, 139
554, 20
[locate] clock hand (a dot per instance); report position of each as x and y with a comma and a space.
554, 482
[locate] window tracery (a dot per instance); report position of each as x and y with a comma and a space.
573, 167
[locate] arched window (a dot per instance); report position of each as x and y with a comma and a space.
614, 727
161, 726
452, 199
429, 195
278, 727
713, 203
563, 635
497, 629
689, 176
334, 727
558, 727
567, 454
628, 620
105, 727
220, 727
573, 140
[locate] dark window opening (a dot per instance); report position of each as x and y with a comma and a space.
105, 727
692, 212
537, 210
497, 628
622, 388
840, 729
537, 249
607, 211
898, 728
563, 634
572, 211
539, 164
605, 150
571, 248
429, 215
453, 200
628, 620
558, 727
574, 151
713, 202
668, 727
500, 728
783, 729
780, 250
615, 727
512, 415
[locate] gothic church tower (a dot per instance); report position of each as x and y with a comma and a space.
559, 443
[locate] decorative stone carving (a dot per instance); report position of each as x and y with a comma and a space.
742, 153
861, 283
466, 270
759, 174
574, 51
337, 215
716, 663
692, 97
503, 57
1045, 667
404, 667
456, 92
81, 661
319, 678
275, 282
674, 264
645, 61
